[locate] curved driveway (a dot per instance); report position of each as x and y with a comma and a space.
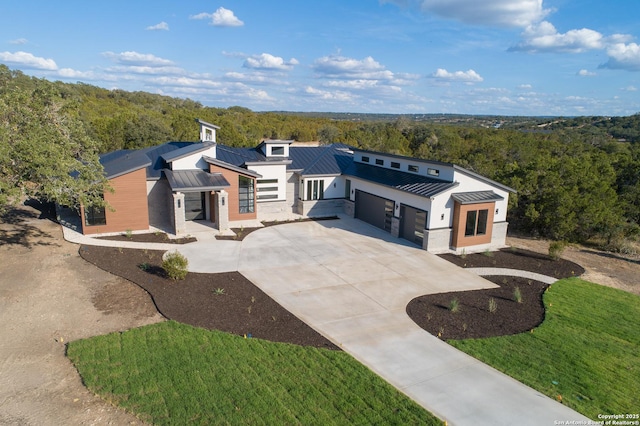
352, 283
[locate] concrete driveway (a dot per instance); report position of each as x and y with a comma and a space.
352, 283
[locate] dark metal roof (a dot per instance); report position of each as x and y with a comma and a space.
239, 156
321, 160
409, 182
195, 180
187, 150
121, 162
155, 153
476, 197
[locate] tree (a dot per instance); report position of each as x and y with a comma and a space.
44, 148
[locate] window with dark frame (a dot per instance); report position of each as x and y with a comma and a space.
433, 172
379, 162
476, 223
315, 189
365, 159
395, 165
246, 194
94, 216
412, 168
277, 150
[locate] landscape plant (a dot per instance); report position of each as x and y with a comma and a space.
517, 295
454, 305
175, 265
493, 305
556, 248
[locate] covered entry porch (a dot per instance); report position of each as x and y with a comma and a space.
197, 196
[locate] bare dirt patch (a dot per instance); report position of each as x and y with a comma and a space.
49, 296
608, 269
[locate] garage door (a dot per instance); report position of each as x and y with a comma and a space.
375, 210
412, 224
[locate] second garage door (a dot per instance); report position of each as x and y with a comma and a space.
375, 210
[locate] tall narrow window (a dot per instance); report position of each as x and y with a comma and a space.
246, 194
315, 189
347, 189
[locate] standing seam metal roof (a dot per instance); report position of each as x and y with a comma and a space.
195, 180
409, 182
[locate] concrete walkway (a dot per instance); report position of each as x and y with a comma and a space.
352, 282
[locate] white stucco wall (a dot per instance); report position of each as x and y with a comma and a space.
333, 186
445, 171
194, 161
272, 171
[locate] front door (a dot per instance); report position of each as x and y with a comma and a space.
194, 206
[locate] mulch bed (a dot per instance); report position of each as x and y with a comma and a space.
231, 303
242, 308
159, 237
514, 258
474, 318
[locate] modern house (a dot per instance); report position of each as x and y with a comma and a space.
438, 206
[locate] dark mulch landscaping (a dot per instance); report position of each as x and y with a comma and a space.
159, 237
474, 318
242, 308
514, 258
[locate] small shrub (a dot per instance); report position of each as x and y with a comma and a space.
556, 248
463, 254
144, 266
454, 305
175, 265
219, 291
493, 305
128, 233
488, 253
517, 295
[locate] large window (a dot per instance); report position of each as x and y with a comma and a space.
476, 223
94, 216
245, 194
315, 189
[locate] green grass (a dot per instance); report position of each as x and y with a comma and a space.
587, 349
171, 373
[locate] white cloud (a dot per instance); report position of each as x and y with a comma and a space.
328, 95
623, 56
544, 37
19, 41
343, 67
525, 87
266, 61
220, 18
630, 89
469, 76
586, 73
71, 73
502, 13
27, 60
137, 59
163, 26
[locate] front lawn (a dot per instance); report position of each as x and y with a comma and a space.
585, 353
172, 373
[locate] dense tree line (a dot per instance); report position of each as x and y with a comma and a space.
576, 179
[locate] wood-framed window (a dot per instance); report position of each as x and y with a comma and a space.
476, 223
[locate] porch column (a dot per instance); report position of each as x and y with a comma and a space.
179, 224
222, 210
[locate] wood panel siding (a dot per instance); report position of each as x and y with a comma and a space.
459, 224
233, 198
129, 210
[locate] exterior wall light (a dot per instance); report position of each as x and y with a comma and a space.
442, 216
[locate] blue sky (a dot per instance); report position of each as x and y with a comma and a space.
506, 57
